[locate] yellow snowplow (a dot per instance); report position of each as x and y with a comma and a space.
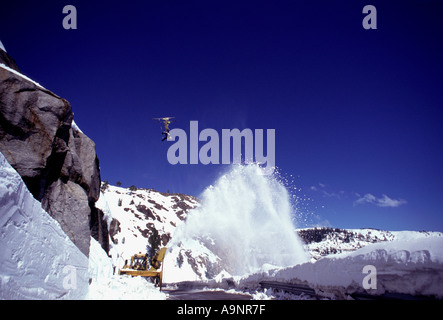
139, 266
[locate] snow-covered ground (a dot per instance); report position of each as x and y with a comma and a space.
408, 266
106, 285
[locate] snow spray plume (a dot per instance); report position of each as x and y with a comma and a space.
245, 219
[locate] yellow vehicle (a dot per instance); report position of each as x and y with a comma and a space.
139, 266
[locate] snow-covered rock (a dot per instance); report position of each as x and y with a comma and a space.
2, 46
21, 75
37, 259
191, 260
132, 215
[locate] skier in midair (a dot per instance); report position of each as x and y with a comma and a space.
166, 122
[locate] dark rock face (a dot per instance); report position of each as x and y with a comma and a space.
99, 228
7, 60
114, 229
57, 162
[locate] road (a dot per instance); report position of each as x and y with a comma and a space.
299, 289
197, 291
197, 294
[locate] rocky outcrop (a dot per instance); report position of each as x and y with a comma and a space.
55, 159
7, 60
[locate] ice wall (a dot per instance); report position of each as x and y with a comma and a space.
37, 259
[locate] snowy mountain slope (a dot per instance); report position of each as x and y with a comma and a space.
321, 242
37, 259
132, 215
192, 260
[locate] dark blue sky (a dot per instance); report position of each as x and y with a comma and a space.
357, 113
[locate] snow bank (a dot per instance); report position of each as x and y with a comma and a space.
37, 259
105, 285
413, 266
124, 288
100, 265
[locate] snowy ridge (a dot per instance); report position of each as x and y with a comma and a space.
321, 242
20, 75
75, 127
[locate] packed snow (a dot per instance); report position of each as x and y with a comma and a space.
37, 259
411, 266
105, 285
